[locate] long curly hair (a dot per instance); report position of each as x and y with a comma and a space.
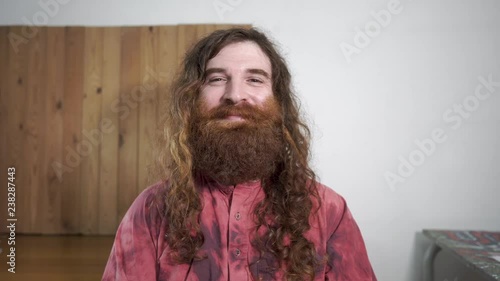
289, 192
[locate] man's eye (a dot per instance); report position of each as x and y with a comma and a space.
216, 79
254, 80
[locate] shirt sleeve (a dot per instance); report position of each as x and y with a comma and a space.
347, 256
134, 252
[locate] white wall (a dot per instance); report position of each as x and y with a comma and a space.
368, 112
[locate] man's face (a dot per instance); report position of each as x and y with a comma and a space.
235, 131
239, 74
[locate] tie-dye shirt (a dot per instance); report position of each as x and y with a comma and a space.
140, 252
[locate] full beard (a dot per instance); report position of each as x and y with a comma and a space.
232, 152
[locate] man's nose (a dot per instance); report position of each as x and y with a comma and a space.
235, 92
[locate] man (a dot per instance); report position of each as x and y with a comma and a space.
238, 200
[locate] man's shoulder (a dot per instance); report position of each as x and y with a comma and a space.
153, 190
151, 196
332, 208
329, 197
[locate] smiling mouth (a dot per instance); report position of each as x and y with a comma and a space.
234, 118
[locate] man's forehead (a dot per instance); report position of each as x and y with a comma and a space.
246, 56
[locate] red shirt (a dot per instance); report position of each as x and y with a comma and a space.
140, 251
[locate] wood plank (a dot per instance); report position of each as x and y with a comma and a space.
186, 36
72, 135
130, 82
91, 139
108, 184
203, 30
16, 83
166, 65
50, 196
4, 99
227, 26
35, 126
147, 104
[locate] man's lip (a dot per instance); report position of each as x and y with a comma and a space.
234, 118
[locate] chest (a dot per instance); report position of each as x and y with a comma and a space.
228, 226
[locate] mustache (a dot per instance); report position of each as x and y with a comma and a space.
245, 111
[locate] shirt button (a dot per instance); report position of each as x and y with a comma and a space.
237, 216
238, 252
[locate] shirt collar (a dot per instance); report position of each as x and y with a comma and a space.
227, 189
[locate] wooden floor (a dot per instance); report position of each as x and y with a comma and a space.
56, 258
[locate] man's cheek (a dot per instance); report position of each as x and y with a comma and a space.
201, 111
208, 100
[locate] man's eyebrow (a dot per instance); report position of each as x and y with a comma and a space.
214, 70
260, 72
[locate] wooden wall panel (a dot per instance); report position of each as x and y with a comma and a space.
166, 65
17, 75
78, 110
4, 59
50, 210
202, 30
186, 36
147, 103
91, 136
108, 182
128, 134
34, 141
72, 134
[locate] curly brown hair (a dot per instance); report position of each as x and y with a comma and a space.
289, 192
